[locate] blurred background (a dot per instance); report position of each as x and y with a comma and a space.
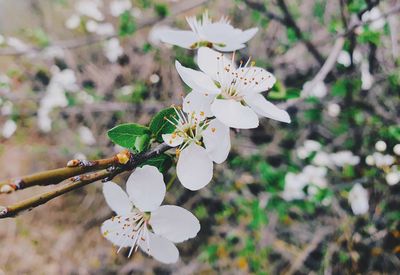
317, 196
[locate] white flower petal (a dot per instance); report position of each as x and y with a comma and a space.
172, 140
197, 80
146, 188
194, 168
247, 35
199, 103
257, 80
211, 62
174, 223
161, 249
116, 198
233, 114
184, 39
112, 229
217, 141
263, 107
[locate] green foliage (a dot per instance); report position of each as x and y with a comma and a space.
127, 24
159, 124
279, 92
131, 136
161, 10
369, 36
356, 6
163, 162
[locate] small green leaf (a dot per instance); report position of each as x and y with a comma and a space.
162, 162
130, 135
159, 125
127, 24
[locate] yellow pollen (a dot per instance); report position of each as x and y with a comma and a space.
213, 130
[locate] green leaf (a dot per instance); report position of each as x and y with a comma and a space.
159, 125
127, 24
130, 135
162, 162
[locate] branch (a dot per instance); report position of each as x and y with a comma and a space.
80, 181
93, 39
261, 8
289, 21
74, 167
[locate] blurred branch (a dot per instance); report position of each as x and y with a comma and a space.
93, 39
261, 8
290, 22
79, 181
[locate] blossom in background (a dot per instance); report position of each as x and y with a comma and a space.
333, 109
317, 89
86, 136
113, 50
344, 58
233, 94
393, 176
375, 16
220, 35
142, 222
90, 8
380, 160
358, 199
308, 148
199, 142
340, 159
312, 176
9, 128
118, 7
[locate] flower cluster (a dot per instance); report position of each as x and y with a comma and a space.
223, 96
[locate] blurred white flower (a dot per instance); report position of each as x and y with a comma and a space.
234, 93
17, 44
105, 29
118, 7
53, 52
311, 176
333, 109
380, 146
381, 160
142, 222
113, 50
357, 56
294, 185
317, 89
393, 177
80, 156
90, 8
86, 135
9, 128
91, 26
343, 158
344, 58
374, 15
195, 162
366, 78
396, 149
322, 159
220, 35
308, 148
154, 78
370, 160
73, 22
358, 199
156, 33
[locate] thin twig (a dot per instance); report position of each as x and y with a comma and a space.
88, 40
80, 181
74, 168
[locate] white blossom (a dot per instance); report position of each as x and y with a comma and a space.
233, 94
118, 7
220, 35
73, 22
344, 158
393, 177
366, 78
86, 135
317, 89
142, 222
380, 146
344, 58
294, 185
381, 160
333, 109
17, 44
375, 16
308, 148
105, 29
90, 8
9, 128
156, 33
113, 50
358, 199
396, 149
199, 142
